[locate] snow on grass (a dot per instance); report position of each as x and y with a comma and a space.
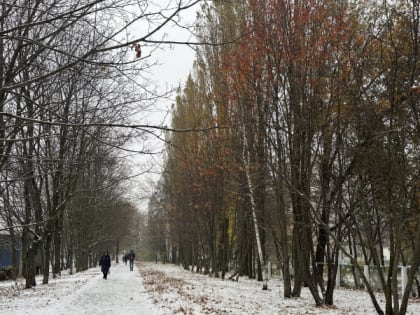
184, 292
165, 289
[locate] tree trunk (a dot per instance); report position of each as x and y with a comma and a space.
246, 160
47, 255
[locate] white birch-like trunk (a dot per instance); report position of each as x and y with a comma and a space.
245, 157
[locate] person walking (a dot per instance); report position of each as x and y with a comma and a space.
105, 264
131, 257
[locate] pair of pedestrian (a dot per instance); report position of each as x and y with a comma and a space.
105, 262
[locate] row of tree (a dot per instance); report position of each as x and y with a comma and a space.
306, 145
70, 80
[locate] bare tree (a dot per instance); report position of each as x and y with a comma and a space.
69, 74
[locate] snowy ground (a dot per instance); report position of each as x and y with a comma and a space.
156, 289
82, 293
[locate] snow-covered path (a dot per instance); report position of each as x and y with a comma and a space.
122, 293
166, 289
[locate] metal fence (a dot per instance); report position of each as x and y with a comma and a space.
349, 276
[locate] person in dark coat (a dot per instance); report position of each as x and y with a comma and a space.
131, 257
105, 264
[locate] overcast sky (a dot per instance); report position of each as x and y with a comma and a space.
174, 63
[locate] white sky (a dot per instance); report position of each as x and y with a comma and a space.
173, 65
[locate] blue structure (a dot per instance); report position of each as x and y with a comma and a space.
6, 251
7, 270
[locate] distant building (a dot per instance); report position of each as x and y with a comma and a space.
8, 266
6, 251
